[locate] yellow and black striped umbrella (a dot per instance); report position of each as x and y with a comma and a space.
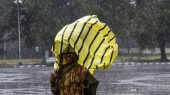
92, 40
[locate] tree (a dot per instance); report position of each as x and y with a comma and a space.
119, 14
163, 36
4, 16
43, 19
5, 28
151, 25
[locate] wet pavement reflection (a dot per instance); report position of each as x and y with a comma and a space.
119, 80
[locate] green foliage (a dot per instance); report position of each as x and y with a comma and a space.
165, 20
146, 21
152, 24
147, 24
5, 25
44, 18
39, 22
119, 15
2, 52
89, 8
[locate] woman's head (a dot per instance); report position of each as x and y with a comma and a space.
68, 57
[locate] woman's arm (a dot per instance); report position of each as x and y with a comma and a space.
54, 88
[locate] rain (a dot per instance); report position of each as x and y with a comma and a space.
141, 28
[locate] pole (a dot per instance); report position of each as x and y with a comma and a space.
19, 33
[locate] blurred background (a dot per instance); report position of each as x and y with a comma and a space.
28, 27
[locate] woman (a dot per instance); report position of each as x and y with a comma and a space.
71, 78
96, 47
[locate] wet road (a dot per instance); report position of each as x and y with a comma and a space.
121, 79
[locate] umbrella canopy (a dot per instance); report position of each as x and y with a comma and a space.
92, 40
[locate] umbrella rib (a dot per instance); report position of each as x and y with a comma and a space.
92, 43
86, 36
104, 54
62, 39
111, 56
104, 66
111, 39
107, 33
95, 53
53, 48
106, 48
71, 35
81, 31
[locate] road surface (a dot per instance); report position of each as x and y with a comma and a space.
121, 79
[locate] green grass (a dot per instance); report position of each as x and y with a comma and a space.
12, 62
140, 58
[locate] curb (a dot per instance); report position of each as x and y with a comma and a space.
140, 63
117, 63
29, 66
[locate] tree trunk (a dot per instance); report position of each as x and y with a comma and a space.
43, 54
163, 52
